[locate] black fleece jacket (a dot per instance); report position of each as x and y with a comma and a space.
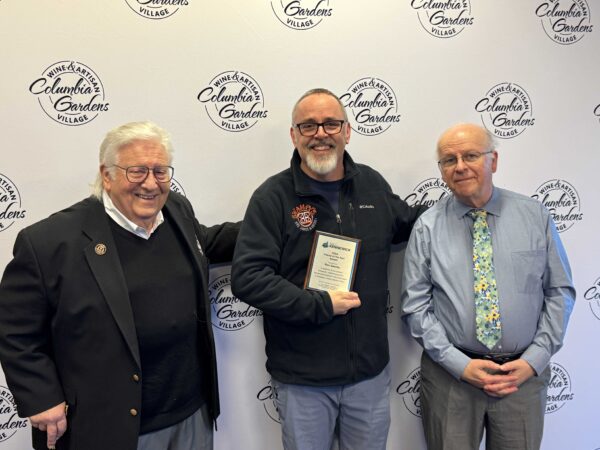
306, 343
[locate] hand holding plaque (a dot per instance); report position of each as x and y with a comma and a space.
332, 263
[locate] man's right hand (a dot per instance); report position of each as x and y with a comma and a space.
488, 375
343, 301
53, 421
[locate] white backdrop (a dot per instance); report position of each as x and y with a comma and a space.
222, 77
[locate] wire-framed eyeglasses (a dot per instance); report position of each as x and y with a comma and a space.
472, 157
138, 174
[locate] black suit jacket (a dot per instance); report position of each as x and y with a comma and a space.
66, 325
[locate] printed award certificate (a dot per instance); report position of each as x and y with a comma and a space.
332, 262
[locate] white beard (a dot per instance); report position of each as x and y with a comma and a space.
322, 165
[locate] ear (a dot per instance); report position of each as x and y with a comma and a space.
347, 131
494, 161
293, 136
106, 178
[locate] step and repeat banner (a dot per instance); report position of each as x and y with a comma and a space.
222, 77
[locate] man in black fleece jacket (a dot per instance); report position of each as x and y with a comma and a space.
327, 351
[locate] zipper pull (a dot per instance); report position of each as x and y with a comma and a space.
338, 219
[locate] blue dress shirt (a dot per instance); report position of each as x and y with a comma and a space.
535, 287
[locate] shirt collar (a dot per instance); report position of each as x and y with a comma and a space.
493, 206
127, 224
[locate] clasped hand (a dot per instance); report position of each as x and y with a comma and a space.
497, 380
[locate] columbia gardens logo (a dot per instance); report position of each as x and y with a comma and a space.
301, 14
267, 397
70, 93
372, 104
565, 21
428, 192
10, 422
562, 200
592, 295
443, 19
177, 187
560, 389
506, 110
410, 391
156, 9
229, 312
10, 203
233, 101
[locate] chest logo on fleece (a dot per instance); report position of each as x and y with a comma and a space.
304, 217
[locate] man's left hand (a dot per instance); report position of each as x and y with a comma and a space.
518, 368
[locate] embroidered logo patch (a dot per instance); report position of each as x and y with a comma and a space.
304, 217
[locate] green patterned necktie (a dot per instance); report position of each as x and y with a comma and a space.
487, 312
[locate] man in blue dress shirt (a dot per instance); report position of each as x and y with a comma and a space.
468, 386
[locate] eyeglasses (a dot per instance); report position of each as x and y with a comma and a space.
468, 158
138, 174
311, 128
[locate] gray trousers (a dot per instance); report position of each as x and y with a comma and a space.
309, 414
193, 433
456, 413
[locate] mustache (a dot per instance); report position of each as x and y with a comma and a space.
320, 142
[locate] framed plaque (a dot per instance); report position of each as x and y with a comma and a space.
332, 262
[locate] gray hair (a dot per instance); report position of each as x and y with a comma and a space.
321, 91
491, 141
123, 135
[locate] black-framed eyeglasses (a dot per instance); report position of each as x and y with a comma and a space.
468, 158
311, 128
138, 174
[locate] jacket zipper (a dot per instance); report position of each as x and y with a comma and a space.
351, 209
350, 315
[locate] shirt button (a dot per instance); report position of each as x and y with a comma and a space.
136, 377
133, 412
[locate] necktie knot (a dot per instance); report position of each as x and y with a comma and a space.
478, 214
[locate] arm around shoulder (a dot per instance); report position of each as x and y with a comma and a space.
405, 217
220, 240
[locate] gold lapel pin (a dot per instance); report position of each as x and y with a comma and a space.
100, 249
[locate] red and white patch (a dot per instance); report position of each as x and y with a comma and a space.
305, 217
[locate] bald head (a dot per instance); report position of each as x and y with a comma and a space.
462, 130
467, 160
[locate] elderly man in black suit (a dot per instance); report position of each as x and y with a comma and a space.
105, 334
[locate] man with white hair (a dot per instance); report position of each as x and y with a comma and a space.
105, 334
